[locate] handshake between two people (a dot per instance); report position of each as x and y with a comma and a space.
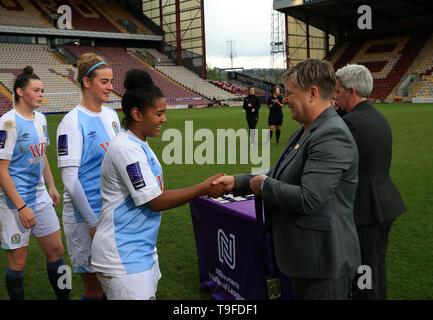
223, 184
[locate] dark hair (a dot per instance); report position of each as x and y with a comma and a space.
313, 72
141, 93
274, 89
23, 79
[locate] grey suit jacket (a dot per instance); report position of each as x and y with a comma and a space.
310, 199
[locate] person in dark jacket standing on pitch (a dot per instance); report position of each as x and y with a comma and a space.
275, 119
252, 106
378, 202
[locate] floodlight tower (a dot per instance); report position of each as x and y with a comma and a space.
231, 51
278, 41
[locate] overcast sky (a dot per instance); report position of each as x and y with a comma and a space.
245, 22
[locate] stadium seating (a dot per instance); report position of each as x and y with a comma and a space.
160, 59
85, 15
21, 13
387, 59
5, 104
422, 69
62, 92
194, 83
235, 88
116, 13
121, 61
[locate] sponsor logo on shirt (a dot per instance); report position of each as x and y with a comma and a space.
92, 134
23, 137
134, 173
38, 151
62, 145
3, 136
104, 146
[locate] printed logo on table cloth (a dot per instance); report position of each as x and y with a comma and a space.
15, 239
115, 127
3, 136
134, 173
62, 145
226, 249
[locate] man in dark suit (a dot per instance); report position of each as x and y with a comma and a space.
378, 202
310, 192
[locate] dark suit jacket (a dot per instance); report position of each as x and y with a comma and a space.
255, 104
377, 198
310, 199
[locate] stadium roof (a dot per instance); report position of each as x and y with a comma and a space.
340, 17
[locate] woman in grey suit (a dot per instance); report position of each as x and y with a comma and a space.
310, 192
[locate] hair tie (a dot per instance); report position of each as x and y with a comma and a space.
91, 69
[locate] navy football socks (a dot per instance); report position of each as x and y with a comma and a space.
15, 284
60, 289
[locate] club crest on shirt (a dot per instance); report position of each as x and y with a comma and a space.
44, 129
134, 173
115, 127
62, 145
3, 136
15, 239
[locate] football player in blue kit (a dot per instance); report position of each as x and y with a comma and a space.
124, 253
25, 204
83, 137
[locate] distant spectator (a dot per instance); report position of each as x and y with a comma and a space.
275, 119
252, 106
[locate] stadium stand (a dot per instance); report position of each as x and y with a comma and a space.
160, 58
121, 61
5, 104
387, 59
194, 83
86, 16
21, 13
235, 87
421, 70
62, 92
122, 19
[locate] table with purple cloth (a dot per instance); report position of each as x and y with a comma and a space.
230, 263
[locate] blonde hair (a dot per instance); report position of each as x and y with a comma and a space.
85, 63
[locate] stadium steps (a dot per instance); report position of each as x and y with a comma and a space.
194, 83
5, 104
85, 14
22, 13
121, 61
116, 13
334, 58
352, 49
164, 76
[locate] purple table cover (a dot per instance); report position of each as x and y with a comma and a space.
229, 261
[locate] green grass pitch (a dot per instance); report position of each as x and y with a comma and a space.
410, 253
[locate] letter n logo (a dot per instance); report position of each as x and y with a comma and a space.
226, 249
